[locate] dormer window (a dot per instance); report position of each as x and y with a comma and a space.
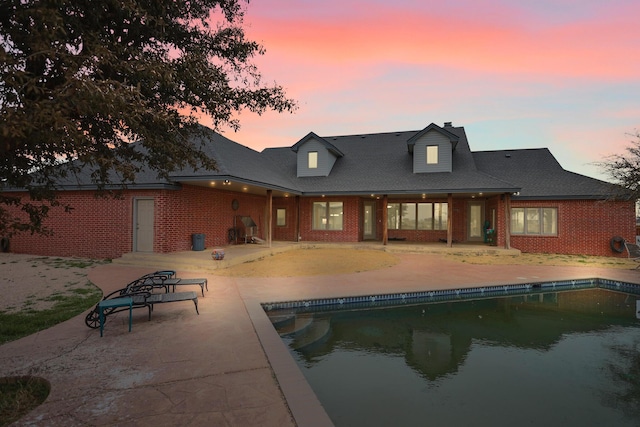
432, 149
432, 154
313, 160
315, 156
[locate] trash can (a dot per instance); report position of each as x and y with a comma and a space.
197, 242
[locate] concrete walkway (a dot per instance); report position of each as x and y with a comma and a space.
227, 366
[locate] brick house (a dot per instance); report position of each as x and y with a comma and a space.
415, 186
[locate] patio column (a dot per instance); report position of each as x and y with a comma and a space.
269, 216
449, 220
507, 221
297, 215
385, 232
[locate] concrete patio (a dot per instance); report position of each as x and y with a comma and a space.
226, 366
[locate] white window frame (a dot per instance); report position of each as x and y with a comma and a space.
527, 221
327, 216
281, 217
417, 218
432, 154
312, 159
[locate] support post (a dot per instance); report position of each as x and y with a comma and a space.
385, 231
269, 217
507, 221
297, 216
449, 220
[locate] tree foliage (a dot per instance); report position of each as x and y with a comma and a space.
83, 80
624, 169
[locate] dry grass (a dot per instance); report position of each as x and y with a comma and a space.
547, 259
313, 262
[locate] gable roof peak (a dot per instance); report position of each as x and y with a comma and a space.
434, 127
311, 135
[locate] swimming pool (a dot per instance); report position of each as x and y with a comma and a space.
547, 354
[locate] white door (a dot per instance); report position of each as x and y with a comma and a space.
143, 226
475, 221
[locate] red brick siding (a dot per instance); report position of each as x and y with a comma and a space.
95, 227
102, 228
585, 227
286, 232
350, 226
195, 210
459, 223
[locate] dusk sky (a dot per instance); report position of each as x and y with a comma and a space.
516, 74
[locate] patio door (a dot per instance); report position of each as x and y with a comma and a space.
475, 218
143, 225
369, 221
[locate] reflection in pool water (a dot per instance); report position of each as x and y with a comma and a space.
554, 359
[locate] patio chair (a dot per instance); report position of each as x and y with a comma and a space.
633, 252
141, 293
167, 279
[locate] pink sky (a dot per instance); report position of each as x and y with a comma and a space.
558, 74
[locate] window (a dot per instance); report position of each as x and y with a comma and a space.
417, 216
408, 216
393, 216
327, 216
313, 159
432, 154
425, 216
281, 217
534, 221
440, 213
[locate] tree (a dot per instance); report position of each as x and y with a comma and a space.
116, 85
624, 170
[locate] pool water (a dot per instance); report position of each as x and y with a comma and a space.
568, 358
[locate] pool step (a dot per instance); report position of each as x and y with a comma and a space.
291, 324
316, 333
282, 320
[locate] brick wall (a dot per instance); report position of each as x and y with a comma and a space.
425, 236
196, 210
585, 227
351, 220
95, 228
103, 228
286, 232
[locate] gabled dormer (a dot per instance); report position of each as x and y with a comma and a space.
432, 149
316, 156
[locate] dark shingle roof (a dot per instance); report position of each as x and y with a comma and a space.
236, 161
539, 175
380, 163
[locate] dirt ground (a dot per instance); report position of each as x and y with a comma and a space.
29, 282
313, 262
33, 282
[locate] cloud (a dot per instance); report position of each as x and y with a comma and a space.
561, 74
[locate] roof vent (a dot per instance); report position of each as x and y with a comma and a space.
508, 156
447, 124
